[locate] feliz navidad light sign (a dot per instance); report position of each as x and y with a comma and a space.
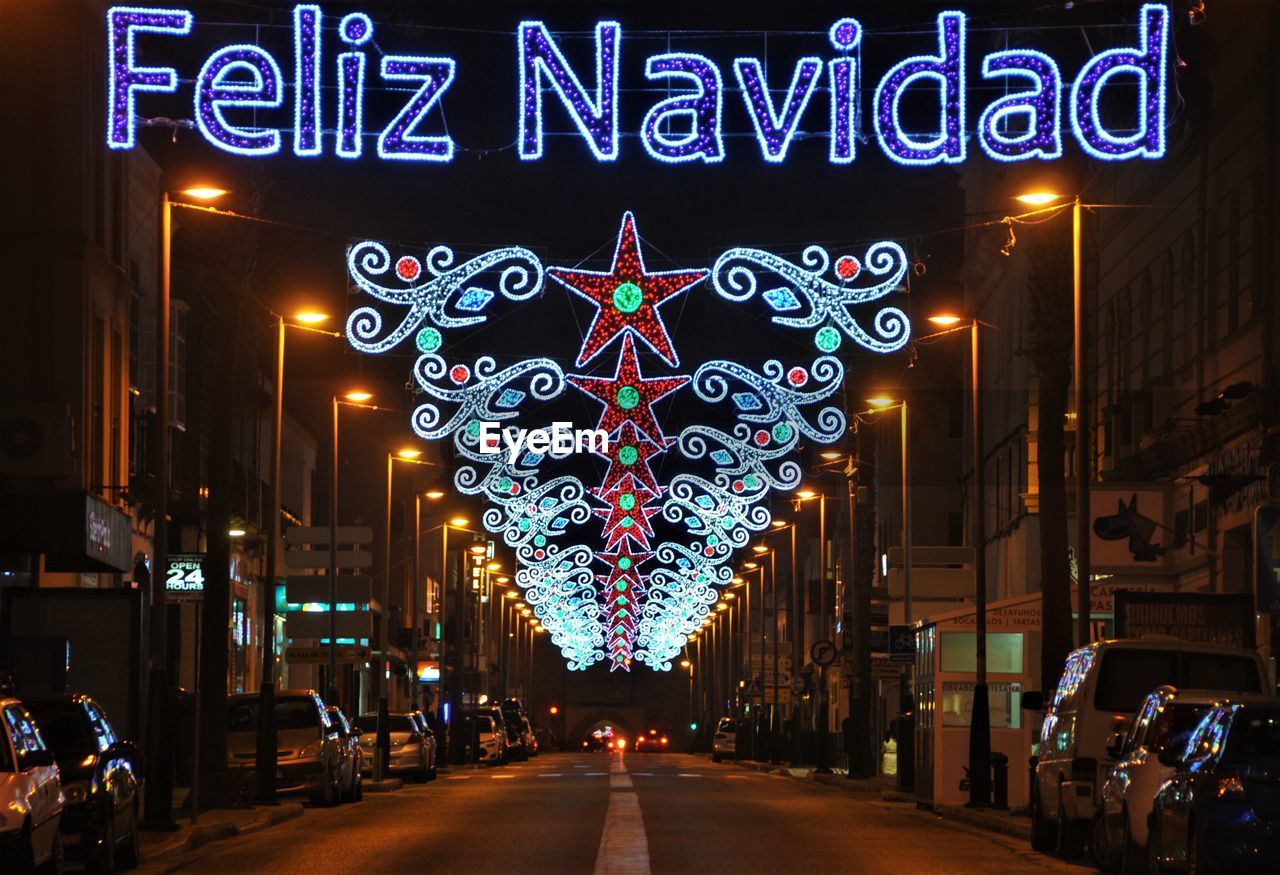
243, 103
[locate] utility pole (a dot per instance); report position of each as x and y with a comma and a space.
980, 720
266, 759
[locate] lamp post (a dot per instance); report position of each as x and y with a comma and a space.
906, 765
774, 717
980, 720
159, 760
1083, 419
266, 758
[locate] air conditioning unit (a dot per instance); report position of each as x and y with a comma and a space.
35, 440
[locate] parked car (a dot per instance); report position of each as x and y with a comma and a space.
1159, 730
516, 722
1102, 685
530, 737
31, 798
724, 743
507, 748
308, 748
413, 748
100, 777
490, 737
1220, 812
352, 755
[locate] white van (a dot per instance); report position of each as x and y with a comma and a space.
1100, 690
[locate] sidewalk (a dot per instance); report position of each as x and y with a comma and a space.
213, 826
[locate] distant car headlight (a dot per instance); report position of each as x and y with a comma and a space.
76, 792
313, 749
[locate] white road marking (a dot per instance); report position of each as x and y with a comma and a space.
499, 777
594, 774
650, 774
561, 774
624, 850
620, 781
687, 775
460, 777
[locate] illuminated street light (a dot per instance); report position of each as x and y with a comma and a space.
494, 566
479, 549
805, 494
434, 494
358, 396
722, 606
945, 320
750, 566
408, 453
204, 192
880, 402
236, 533
684, 663
778, 524
458, 521
310, 317
1038, 198
760, 548
832, 455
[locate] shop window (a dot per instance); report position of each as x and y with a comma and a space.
1004, 652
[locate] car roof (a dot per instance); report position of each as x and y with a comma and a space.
1164, 642
1199, 697
47, 698
280, 694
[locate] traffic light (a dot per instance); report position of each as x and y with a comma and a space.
554, 710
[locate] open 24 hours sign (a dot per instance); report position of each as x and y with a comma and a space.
184, 577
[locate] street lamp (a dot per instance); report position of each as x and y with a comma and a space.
980, 719
1080, 379
906, 776
266, 757
159, 759
350, 398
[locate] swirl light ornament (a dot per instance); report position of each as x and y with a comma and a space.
624, 570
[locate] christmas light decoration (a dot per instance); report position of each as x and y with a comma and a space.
355, 30
1150, 63
774, 130
306, 81
598, 119
627, 297
124, 77
827, 300
845, 84
702, 108
219, 87
398, 141
663, 536
947, 68
1041, 106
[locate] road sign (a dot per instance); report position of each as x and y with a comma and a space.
823, 653
184, 577
753, 688
348, 536
1266, 539
902, 644
303, 588
343, 653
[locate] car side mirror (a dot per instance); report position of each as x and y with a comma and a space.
1032, 700
36, 758
1115, 745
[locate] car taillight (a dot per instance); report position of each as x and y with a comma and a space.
664, 739
1230, 786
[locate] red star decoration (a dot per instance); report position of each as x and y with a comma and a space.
615, 515
629, 437
627, 297
627, 395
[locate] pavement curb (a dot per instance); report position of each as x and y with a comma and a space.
855, 785
1006, 824
204, 834
387, 785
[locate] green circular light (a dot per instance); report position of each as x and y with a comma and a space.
752, 481
782, 432
526, 524
473, 428
627, 297
712, 540
540, 541
627, 522
628, 455
627, 501
429, 340
504, 484
622, 586
827, 339
628, 397
624, 563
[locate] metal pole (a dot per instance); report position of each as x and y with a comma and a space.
759, 749
795, 620
906, 750
266, 754
1083, 468
750, 672
379, 755
824, 714
414, 584
159, 801
980, 722
333, 562
775, 718
506, 649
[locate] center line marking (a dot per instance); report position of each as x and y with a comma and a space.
624, 850
687, 775
561, 774
650, 774
593, 774
500, 777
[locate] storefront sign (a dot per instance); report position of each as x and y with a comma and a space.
343, 653
1004, 700
1205, 618
184, 577
238, 93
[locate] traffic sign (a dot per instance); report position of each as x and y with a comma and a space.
823, 653
902, 644
343, 653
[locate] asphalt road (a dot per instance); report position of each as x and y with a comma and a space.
590, 813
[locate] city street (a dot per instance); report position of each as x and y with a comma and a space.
572, 813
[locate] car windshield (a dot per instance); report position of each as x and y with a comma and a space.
1128, 674
1175, 724
726, 725
290, 714
1255, 735
65, 729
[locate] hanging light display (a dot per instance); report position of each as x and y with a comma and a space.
622, 568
